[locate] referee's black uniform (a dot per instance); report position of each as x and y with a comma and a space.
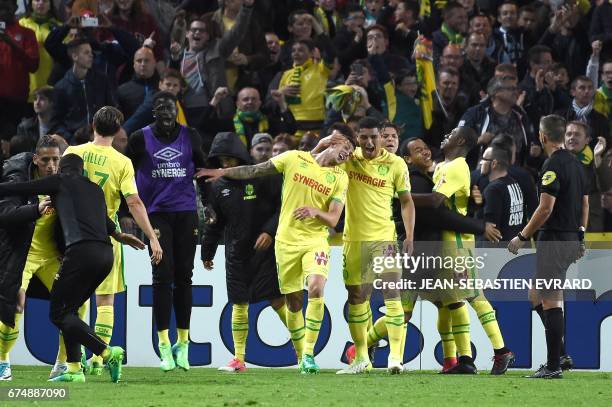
558, 243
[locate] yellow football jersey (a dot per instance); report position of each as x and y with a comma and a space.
110, 169
372, 186
306, 183
452, 179
43, 243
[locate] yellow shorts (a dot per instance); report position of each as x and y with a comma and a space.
115, 282
43, 268
295, 263
359, 260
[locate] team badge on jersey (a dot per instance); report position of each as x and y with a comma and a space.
249, 192
383, 170
330, 178
321, 258
548, 178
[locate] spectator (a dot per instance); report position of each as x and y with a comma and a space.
282, 143
452, 56
40, 17
328, 17
145, 81
603, 97
18, 58
510, 35
568, 40
202, 63
577, 140
304, 85
408, 118
112, 47
453, 29
308, 141
562, 86
582, 110
527, 21
350, 39
499, 114
448, 106
404, 33
481, 24
302, 25
377, 38
477, 66
266, 74
33, 128
261, 148
81, 92
251, 53
372, 11
601, 27
134, 17
539, 100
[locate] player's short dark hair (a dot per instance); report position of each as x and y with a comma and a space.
20, 144
46, 142
536, 52
71, 163
307, 43
580, 78
404, 150
75, 43
388, 124
469, 137
83, 135
502, 156
585, 127
345, 130
368, 122
107, 121
164, 95
46, 92
553, 126
413, 6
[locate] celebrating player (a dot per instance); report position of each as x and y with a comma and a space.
114, 173
314, 192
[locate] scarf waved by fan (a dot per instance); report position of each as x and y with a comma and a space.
240, 118
582, 113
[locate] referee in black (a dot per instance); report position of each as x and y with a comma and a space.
560, 218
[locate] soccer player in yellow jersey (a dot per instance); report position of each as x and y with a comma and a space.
314, 192
114, 173
452, 188
375, 177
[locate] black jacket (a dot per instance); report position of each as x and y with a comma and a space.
132, 94
18, 215
244, 209
29, 128
77, 101
430, 222
598, 124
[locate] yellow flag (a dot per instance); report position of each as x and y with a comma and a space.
423, 53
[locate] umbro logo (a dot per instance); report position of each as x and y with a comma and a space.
167, 154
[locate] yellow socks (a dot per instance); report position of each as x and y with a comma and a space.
282, 313
445, 328
394, 320
377, 332
106, 353
461, 330
314, 318
163, 338
404, 335
486, 315
295, 325
74, 367
358, 318
104, 325
8, 337
183, 335
240, 329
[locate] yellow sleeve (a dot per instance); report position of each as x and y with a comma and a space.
282, 161
127, 183
401, 178
71, 150
451, 181
339, 193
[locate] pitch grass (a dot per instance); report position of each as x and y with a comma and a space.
287, 388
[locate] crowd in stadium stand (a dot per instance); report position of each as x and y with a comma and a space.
278, 74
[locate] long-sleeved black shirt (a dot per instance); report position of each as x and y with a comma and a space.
80, 205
